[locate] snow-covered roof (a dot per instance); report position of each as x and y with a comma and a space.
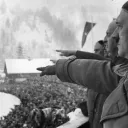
21, 66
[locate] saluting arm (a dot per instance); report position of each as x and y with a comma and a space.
93, 74
88, 55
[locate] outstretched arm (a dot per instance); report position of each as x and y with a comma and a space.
88, 55
93, 74
81, 54
66, 53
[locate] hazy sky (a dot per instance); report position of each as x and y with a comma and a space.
74, 14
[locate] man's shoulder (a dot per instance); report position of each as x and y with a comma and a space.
115, 104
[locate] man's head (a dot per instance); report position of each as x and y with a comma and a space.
112, 48
111, 28
99, 47
122, 22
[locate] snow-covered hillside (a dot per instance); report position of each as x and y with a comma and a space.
39, 27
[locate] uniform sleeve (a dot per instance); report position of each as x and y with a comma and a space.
93, 74
87, 55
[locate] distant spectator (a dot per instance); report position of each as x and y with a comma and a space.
99, 48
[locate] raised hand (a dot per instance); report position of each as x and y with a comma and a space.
48, 70
66, 52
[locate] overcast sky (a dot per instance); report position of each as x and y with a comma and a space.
77, 12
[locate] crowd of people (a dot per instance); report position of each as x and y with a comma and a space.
40, 93
104, 73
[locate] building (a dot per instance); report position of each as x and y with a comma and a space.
22, 68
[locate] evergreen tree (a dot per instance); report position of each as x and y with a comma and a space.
20, 51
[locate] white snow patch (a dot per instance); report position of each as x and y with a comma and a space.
7, 102
76, 119
77, 114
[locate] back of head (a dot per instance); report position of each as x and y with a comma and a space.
125, 6
112, 26
101, 42
99, 45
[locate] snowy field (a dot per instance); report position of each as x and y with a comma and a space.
7, 102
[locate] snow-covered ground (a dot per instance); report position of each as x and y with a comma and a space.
76, 119
7, 102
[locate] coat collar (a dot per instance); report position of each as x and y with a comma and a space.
121, 69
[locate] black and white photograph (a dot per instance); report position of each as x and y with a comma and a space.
63, 64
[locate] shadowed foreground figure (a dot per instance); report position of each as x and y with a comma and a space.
42, 118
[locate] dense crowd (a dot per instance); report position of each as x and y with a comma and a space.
41, 93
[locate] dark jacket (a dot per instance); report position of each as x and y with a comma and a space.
115, 109
88, 55
93, 74
95, 100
